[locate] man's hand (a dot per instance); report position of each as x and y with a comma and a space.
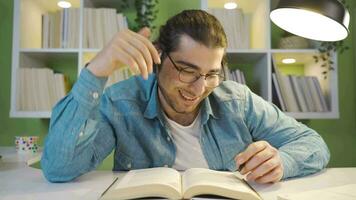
263, 161
126, 48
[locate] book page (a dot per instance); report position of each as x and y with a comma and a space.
198, 181
153, 182
159, 175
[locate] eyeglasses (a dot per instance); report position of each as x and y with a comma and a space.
191, 76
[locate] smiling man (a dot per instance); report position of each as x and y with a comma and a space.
182, 116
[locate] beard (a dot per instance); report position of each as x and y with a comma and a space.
173, 101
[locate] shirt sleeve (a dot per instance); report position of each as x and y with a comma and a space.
302, 149
79, 136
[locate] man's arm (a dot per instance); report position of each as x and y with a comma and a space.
79, 136
301, 150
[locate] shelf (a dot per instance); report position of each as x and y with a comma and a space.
91, 50
255, 60
30, 114
257, 14
245, 57
102, 4
294, 51
51, 50
246, 50
41, 58
314, 115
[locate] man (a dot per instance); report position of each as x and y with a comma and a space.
183, 116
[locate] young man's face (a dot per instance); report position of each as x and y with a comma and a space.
184, 98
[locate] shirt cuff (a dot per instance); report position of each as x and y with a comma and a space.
89, 88
290, 166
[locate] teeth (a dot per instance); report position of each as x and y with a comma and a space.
186, 97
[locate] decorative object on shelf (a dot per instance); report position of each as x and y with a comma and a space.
326, 50
26, 144
323, 20
325, 62
290, 41
146, 12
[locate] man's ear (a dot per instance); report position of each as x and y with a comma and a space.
158, 48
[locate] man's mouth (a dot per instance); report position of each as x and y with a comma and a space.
186, 96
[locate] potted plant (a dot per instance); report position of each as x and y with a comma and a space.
146, 12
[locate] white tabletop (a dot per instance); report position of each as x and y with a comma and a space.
19, 181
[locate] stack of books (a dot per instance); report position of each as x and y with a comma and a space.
236, 25
237, 76
100, 25
39, 89
61, 29
299, 93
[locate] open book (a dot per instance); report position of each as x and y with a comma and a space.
169, 183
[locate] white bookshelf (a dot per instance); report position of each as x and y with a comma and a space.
27, 51
259, 58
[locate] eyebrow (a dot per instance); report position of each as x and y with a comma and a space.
195, 66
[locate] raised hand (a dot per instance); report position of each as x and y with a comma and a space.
126, 48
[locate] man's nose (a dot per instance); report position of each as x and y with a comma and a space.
198, 87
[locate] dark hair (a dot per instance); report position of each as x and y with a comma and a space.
198, 24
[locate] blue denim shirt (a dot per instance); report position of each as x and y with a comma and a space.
89, 123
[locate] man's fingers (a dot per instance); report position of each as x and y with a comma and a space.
145, 32
140, 46
251, 150
149, 45
271, 177
257, 160
126, 59
264, 168
137, 55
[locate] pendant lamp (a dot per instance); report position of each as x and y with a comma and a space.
322, 20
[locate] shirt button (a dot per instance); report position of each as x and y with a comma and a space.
95, 95
81, 134
129, 165
168, 138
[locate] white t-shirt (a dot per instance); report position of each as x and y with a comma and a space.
188, 149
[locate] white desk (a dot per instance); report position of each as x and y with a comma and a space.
18, 181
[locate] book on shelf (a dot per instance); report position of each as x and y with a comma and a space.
304, 93
298, 93
302, 81
235, 75
278, 92
169, 183
236, 24
287, 93
39, 89
60, 29
100, 25
320, 94
285, 89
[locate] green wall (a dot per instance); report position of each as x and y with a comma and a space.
340, 134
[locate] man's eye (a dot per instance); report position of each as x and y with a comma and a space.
189, 71
212, 75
